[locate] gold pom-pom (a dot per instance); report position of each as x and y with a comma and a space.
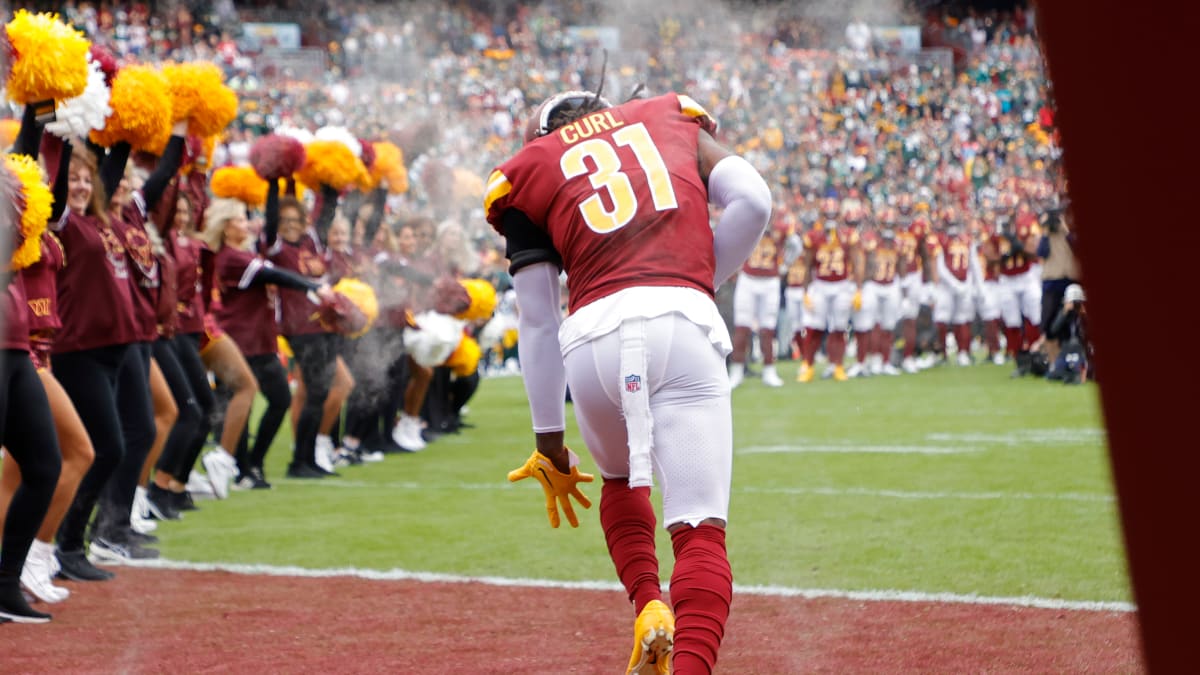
363, 297
9, 128
483, 300
241, 183
141, 106
200, 96
465, 358
389, 166
284, 348
330, 163
50, 58
38, 200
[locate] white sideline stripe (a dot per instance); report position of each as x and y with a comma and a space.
816, 491
866, 449
767, 591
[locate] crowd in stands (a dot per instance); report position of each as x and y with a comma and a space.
848, 128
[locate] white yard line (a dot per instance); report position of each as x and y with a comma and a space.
767, 591
854, 449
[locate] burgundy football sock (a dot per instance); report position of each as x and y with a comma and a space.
701, 591
836, 347
741, 344
863, 347
1032, 333
991, 335
628, 521
812, 342
942, 331
962, 334
1013, 335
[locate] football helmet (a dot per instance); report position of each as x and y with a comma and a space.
539, 124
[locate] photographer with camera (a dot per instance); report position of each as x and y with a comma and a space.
1074, 362
1056, 249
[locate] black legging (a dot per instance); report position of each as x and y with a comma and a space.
90, 379
137, 426
317, 357
273, 383
188, 380
27, 433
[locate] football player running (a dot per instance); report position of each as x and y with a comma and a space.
616, 196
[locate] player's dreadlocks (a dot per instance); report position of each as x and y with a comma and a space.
569, 111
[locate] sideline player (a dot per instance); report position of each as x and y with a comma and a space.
832, 254
616, 197
756, 306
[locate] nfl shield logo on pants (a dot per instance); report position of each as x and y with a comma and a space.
633, 383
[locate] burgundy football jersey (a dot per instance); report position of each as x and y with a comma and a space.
956, 253
298, 316
94, 289
832, 258
620, 194
1021, 262
767, 256
245, 312
886, 259
41, 287
910, 239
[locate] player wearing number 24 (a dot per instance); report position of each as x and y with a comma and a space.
617, 197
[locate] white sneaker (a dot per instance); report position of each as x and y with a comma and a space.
407, 434
926, 362
998, 358
199, 486
875, 364
221, 468
38, 571
964, 359
770, 378
139, 516
371, 456
856, 370
324, 453
889, 369
737, 372
909, 365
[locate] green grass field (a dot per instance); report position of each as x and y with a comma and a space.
954, 480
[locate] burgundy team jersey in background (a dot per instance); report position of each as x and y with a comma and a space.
41, 287
956, 253
832, 259
146, 278
94, 289
189, 300
298, 314
620, 194
767, 256
245, 312
15, 316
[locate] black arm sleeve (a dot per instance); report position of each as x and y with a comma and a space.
405, 271
1062, 322
29, 138
112, 169
329, 202
62, 181
271, 218
167, 165
378, 202
527, 243
269, 274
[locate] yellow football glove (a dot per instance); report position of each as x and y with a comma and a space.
808, 301
858, 300
558, 486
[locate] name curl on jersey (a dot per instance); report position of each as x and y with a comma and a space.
588, 126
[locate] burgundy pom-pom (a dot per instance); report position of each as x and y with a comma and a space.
108, 63
368, 153
275, 156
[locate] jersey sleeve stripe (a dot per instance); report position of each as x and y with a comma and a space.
497, 187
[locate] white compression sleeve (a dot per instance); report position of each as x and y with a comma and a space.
538, 304
734, 185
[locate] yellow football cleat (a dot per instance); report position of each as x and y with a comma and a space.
839, 374
653, 639
805, 374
